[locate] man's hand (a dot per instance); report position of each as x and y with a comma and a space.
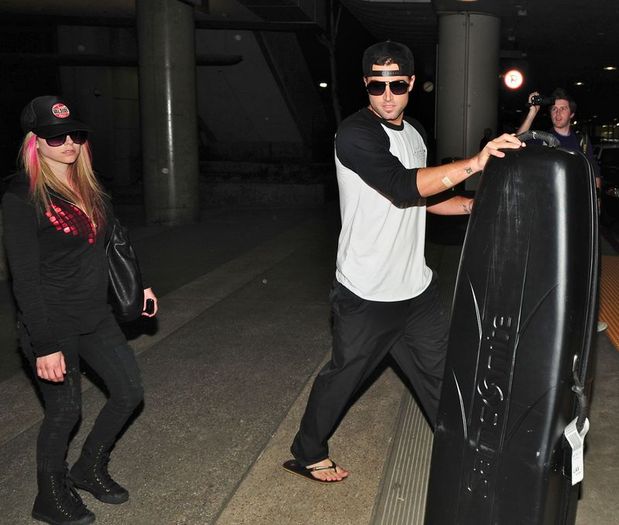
492, 149
52, 367
528, 120
533, 108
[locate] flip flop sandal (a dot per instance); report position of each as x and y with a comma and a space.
293, 467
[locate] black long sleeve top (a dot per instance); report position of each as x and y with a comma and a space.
58, 265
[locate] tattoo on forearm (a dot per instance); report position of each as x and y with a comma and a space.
468, 170
467, 207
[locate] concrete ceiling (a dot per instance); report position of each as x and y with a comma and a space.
82, 8
559, 42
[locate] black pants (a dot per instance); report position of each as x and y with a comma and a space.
106, 351
364, 332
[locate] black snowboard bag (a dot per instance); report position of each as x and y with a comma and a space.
522, 323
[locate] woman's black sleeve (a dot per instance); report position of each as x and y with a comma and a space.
22, 249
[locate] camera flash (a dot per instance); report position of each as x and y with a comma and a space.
513, 79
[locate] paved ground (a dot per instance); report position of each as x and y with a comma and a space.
244, 326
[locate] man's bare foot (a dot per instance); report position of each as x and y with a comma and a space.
324, 471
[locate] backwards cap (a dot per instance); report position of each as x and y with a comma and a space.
391, 52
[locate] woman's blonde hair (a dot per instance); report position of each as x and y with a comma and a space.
84, 191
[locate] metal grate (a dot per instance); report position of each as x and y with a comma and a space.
402, 495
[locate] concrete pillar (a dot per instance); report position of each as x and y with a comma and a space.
168, 112
467, 82
3, 263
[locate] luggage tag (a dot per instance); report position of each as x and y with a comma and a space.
577, 440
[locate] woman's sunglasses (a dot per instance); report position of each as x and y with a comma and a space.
397, 87
78, 137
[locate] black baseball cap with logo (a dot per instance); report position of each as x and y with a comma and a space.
394, 52
48, 116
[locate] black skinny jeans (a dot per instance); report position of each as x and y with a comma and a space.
106, 351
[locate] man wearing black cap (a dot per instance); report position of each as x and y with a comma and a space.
384, 298
562, 111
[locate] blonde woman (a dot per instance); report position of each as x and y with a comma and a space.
56, 219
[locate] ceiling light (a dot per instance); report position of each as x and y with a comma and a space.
609, 68
513, 79
579, 83
323, 85
428, 86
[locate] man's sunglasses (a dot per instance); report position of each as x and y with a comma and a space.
397, 87
78, 137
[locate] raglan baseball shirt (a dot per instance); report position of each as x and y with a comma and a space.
381, 245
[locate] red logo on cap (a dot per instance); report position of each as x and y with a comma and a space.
60, 110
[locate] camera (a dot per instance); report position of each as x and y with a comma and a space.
539, 100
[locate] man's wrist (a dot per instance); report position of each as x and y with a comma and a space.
472, 166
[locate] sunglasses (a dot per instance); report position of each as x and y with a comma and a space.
397, 87
78, 137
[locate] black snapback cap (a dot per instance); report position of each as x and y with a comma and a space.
392, 52
48, 116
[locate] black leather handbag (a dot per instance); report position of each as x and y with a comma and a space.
126, 293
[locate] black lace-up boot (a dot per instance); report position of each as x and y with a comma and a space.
90, 473
57, 502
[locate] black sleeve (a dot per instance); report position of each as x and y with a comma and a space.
20, 225
365, 150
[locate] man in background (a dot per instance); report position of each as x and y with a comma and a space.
561, 114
